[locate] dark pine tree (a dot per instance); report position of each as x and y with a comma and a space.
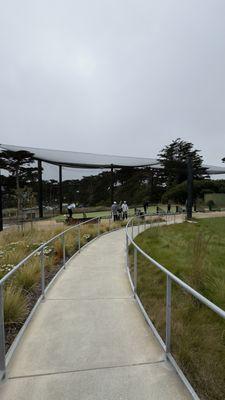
174, 159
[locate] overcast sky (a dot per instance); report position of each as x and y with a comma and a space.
119, 77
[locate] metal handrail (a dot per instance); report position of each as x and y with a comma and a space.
181, 283
170, 277
39, 250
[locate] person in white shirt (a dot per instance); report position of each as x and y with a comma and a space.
70, 209
125, 209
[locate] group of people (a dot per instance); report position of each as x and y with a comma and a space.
119, 211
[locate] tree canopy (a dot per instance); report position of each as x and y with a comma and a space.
16, 163
174, 158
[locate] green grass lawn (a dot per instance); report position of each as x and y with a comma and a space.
196, 254
76, 214
93, 214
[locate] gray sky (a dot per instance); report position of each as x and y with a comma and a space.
118, 77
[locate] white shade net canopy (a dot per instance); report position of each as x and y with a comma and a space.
74, 159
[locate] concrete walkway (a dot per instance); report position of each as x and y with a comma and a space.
89, 341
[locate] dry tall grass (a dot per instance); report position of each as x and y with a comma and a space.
15, 305
196, 254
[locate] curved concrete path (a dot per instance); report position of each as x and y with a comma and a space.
88, 339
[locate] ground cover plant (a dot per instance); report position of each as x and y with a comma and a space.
196, 254
22, 290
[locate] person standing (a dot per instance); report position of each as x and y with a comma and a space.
114, 209
120, 211
145, 207
70, 209
125, 210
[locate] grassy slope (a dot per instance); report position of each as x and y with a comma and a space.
195, 253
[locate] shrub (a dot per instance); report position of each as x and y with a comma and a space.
210, 204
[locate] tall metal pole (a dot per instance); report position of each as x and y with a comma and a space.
1, 216
189, 188
112, 184
2, 336
60, 190
151, 181
40, 189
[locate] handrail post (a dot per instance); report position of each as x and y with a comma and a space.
132, 228
168, 314
138, 225
78, 238
2, 336
127, 253
98, 227
64, 250
42, 261
135, 270
145, 222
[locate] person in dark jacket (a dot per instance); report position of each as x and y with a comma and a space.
114, 209
145, 207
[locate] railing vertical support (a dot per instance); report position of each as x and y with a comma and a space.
64, 251
132, 228
98, 227
42, 261
145, 222
127, 251
135, 270
138, 225
78, 238
168, 314
2, 336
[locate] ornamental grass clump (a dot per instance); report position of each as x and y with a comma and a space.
28, 276
15, 305
58, 251
71, 240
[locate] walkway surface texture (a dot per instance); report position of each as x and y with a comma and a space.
89, 341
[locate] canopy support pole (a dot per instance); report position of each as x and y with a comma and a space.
1, 216
151, 182
40, 189
112, 185
60, 190
189, 188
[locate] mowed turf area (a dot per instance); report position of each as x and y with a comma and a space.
196, 254
93, 214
